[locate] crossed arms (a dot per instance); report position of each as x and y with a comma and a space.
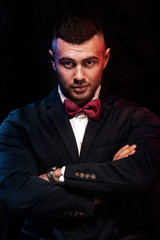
21, 161
122, 153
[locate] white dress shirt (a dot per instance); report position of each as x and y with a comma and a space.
79, 124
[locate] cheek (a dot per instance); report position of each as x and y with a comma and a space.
96, 75
64, 76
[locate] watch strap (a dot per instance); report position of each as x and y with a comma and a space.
49, 174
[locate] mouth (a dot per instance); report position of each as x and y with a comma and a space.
80, 89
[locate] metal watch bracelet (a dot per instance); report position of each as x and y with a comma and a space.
49, 174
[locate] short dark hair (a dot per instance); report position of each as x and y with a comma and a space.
77, 28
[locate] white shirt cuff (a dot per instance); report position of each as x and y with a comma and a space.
61, 179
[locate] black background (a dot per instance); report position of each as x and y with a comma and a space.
132, 30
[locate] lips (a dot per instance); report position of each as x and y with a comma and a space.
80, 89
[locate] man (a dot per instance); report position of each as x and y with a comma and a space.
79, 164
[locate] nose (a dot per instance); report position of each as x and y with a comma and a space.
79, 77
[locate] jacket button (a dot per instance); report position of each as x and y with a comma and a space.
93, 176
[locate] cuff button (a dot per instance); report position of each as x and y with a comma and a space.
87, 175
76, 174
93, 176
82, 175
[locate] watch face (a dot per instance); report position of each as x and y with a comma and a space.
54, 168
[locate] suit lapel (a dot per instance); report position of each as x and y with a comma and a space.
92, 130
59, 119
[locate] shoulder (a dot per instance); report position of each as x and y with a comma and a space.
124, 109
30, 112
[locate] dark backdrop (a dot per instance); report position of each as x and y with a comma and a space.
132, 30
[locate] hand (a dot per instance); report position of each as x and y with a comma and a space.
43, 176
125, 152
56, 175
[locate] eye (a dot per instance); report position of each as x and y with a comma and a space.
68, 65
88, 63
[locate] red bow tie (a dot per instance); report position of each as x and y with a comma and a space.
92, 109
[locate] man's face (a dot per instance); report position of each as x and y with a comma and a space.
79, 67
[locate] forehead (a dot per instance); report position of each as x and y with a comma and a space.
93, 47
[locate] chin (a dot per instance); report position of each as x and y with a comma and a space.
81, 101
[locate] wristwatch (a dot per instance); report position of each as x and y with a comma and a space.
49, 174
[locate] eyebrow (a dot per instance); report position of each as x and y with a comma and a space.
91, 58
71, 59
66, 59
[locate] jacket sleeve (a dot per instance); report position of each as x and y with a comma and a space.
131, 175
22, 192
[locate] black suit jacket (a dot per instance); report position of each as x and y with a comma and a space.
39, 136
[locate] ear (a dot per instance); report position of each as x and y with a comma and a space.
52, 59
106, 57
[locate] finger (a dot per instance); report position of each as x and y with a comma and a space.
120, 151
130, 153
125, 152
129, 150
133, 146
127, 147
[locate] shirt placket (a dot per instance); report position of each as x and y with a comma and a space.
80, 126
